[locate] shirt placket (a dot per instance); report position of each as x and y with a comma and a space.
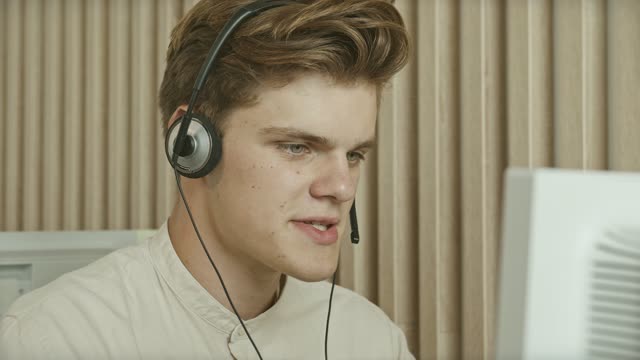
240, 346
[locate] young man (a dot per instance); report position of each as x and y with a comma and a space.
294, 94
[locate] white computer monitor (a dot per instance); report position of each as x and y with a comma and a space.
569, 282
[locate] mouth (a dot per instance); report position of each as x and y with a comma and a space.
320, 231
319, 226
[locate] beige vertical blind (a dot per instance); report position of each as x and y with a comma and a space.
491, 84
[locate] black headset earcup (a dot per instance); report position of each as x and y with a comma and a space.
205, 149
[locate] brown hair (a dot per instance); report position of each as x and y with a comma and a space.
349, 40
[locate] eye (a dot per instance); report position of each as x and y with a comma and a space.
294, 149
355, 157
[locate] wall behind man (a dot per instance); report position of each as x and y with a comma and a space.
493, 83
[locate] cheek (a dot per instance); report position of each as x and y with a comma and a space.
264, 183
273, 183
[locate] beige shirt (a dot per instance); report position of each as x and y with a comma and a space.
142, 303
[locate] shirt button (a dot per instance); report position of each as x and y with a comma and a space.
241, 332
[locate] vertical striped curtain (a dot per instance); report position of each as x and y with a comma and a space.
491, 84
82, 148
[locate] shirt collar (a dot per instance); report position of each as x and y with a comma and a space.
195, 297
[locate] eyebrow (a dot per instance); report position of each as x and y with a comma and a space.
308, 137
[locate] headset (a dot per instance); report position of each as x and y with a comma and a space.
194, 147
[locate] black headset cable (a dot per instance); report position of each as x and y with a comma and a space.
214, 265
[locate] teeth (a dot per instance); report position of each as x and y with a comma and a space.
320, 227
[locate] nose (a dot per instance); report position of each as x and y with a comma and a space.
336, 180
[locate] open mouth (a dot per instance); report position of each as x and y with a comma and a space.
321, 227
320, 233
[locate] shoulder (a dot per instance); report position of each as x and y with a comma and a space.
97, 279
71, 305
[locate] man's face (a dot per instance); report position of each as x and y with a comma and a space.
289, 162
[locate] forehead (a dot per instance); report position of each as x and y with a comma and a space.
316, 104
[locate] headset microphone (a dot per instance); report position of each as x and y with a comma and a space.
355, 234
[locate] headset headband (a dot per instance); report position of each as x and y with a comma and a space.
238, 18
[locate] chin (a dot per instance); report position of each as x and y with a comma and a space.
312, 278
314, 273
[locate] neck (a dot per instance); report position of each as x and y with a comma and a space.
252, 288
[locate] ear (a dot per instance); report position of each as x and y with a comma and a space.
181, 110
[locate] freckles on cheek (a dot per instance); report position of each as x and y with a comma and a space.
256, 176
272, 178
251, 176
